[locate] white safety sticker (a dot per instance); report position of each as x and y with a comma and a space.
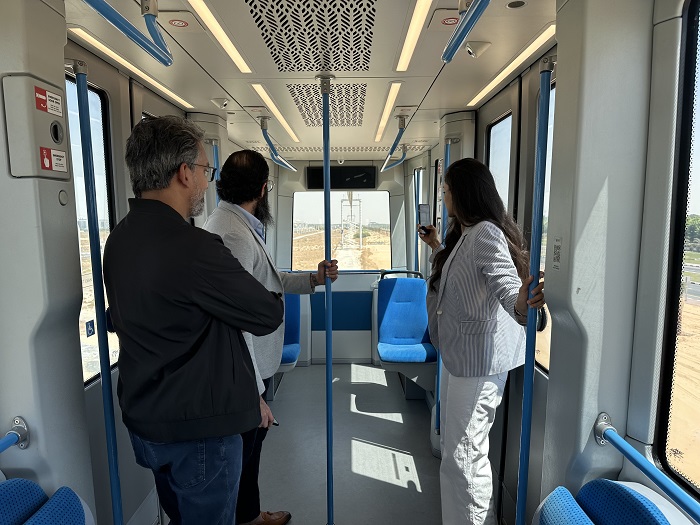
53, 159
556, 256
48, 102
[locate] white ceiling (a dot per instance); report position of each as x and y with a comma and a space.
202, 71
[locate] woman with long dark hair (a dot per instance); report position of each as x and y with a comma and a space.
477, 301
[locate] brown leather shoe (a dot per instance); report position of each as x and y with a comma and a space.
271, 518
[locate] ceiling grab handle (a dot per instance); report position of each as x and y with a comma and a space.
546, 68
402, 128
276, 157
468, 17
157, 48
396, 162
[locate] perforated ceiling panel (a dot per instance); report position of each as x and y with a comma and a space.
347, 103
337, 149
316, 35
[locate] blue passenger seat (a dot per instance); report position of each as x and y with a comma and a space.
402, 320
23, 502
607, 502
292, 341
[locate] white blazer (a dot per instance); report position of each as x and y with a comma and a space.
245, 244
471, 315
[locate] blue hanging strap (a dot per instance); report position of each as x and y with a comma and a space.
546, 67
276, 157
157, 48
402, 128
80, 70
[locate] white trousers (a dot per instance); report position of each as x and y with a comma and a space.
467, 410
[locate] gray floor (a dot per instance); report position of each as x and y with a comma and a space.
383, 468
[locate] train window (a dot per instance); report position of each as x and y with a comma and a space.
499, 154
543, 339
98, 126
360, 236
679, 446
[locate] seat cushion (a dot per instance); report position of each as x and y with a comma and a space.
290, 353
407, 353
607, 502
63, 508
19, 500
560, 508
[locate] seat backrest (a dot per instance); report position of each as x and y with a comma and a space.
608, 503
63, 508
560, 508
19, 500
402, 316
292, 319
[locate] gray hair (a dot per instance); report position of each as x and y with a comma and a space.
156, 149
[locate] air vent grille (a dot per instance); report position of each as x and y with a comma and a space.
336, 149
316, 35
347, 104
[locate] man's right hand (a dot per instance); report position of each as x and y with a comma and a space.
265, 414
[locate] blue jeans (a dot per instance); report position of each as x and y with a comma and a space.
197, 481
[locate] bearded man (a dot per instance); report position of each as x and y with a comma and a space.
240, 219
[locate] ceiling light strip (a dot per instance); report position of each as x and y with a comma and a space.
89, 39
262, 93
213, 25
518, 61
420, 13
388, 106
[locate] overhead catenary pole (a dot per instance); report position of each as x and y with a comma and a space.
546, 68
325, 95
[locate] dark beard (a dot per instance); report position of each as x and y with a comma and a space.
263, 213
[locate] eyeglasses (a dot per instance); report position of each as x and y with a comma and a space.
209, 171
270, 184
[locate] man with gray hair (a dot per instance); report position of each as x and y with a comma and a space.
178, 302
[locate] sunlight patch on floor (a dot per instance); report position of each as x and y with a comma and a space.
367, 374
384, 464
396, 417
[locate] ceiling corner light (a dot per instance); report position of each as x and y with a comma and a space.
388, 106
262, 93
91, 40
213, 25
525, 55
420, 13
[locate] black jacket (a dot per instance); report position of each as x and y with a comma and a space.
178, 301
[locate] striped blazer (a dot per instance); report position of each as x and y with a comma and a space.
246, 245
471, 315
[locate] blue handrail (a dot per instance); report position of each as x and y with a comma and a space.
217, 167
158, 49
416, 198
402, 128
673, 491
276, 157
80, 69
546, 67
325, 94
467, 21
445, 165
11, 438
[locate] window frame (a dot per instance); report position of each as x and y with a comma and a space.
489, 127
680, 187
103, 97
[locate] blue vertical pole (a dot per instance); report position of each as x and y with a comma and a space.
215, 154
80, 69
325, 94
546, 67
445, 165
416, 194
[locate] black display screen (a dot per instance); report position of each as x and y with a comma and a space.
343, 177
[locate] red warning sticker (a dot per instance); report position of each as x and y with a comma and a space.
48, 102
53, 159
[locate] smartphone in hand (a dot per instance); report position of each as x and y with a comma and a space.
424, 217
